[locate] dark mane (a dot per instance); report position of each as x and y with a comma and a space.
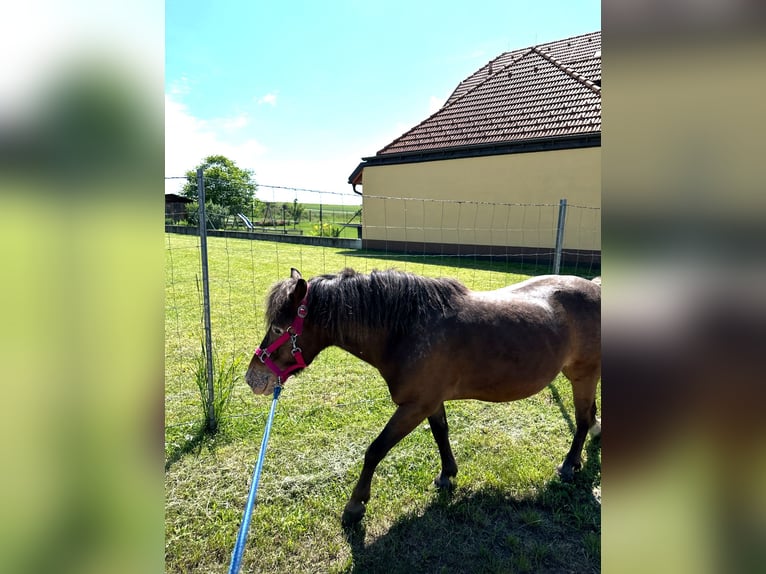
394, 300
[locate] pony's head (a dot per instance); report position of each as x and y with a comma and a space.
283, 350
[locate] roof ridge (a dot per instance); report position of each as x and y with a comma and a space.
572, 73
449, 104
576, 36
492, 73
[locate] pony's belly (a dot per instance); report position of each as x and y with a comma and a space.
501, 389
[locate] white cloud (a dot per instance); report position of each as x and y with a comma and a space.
180, 87
188, 140
325, 167
270, 98
326, 173
235, 123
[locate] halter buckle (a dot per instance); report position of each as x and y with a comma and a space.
293, 331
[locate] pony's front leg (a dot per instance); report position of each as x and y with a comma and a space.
403, 421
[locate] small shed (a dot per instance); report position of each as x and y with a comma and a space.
175, 206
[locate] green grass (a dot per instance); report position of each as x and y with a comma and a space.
334, 215
508, 512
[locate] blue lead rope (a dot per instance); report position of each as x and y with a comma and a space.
239, 547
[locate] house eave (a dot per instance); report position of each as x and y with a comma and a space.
590, 139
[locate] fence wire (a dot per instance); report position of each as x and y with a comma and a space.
484, 244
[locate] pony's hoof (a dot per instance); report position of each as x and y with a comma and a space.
566, 471
443, 482
352, 514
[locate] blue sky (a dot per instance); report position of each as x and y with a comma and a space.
300, 91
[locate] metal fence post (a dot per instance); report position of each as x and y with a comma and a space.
559, 236
211, 416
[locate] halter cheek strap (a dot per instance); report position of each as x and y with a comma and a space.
292, 333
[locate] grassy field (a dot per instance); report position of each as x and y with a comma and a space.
331, 215
345, 211
508, 512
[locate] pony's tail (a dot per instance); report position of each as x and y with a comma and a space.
597, 280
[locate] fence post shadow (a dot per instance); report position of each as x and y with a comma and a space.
195, 442
564, 411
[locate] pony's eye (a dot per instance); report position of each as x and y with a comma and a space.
277, 330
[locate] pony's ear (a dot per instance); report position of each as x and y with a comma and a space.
301, 287
295, 274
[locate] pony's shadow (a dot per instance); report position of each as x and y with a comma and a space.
556, 530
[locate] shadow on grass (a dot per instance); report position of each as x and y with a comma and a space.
564, 411
506, 264
189, 445
557, 530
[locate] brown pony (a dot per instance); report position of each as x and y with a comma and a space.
434, 340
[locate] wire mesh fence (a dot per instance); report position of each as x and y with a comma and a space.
483, 244
276, 210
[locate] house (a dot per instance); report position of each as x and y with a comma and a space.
175, 206
486, 172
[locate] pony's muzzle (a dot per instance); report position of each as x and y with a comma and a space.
261, 382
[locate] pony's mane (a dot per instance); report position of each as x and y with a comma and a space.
394, 300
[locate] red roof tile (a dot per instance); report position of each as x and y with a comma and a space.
549, 90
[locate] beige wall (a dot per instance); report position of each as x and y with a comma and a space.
474, 201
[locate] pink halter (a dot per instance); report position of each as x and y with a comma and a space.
292, 333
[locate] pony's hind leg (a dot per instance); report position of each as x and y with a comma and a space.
595, 427
584, 382
440, 430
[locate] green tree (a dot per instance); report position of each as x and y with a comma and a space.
227, 185
214, 213
297, 211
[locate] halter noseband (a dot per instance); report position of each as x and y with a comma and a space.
292, 333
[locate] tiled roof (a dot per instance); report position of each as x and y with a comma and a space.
545, 91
